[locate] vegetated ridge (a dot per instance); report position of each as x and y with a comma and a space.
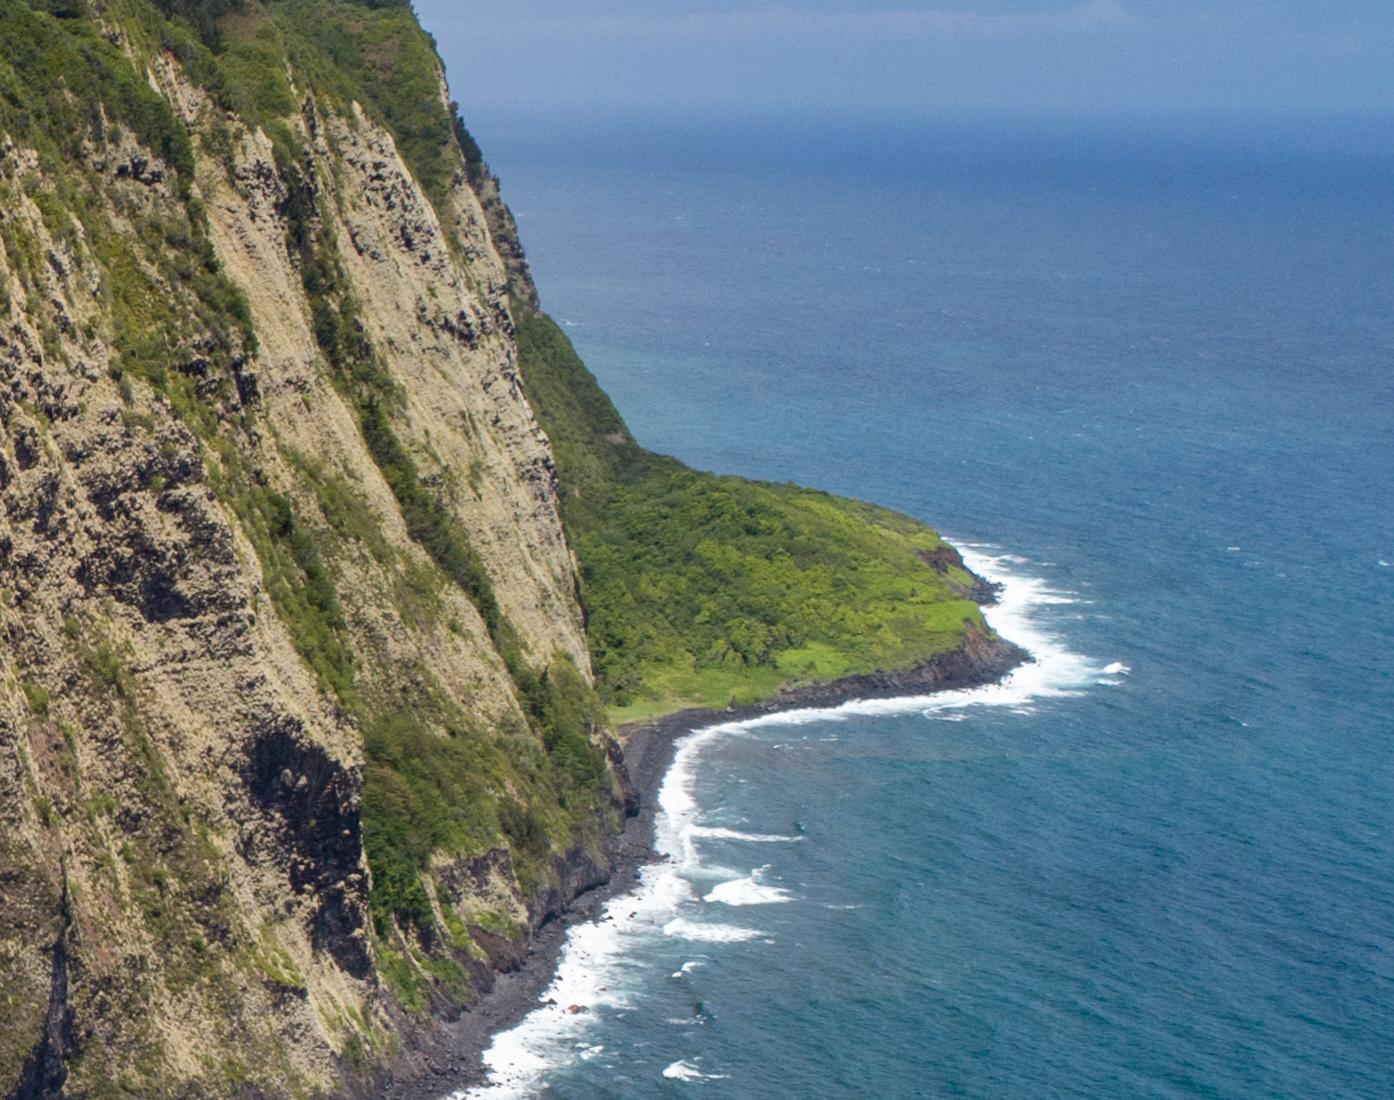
304, 702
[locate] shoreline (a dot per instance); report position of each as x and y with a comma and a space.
451, 1060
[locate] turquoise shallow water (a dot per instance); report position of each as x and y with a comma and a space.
1152, 380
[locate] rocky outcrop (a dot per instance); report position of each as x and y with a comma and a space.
503, 230
948, 563
311, 809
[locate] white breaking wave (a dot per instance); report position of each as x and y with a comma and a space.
686, 1071
591, 974
717, 833
748, 891
1112, 672
699, 932
587, 979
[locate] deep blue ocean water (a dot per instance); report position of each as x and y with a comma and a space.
1148, 372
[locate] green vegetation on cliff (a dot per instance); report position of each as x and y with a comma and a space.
702, 590
424, 794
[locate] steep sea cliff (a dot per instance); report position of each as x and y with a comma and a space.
306, 720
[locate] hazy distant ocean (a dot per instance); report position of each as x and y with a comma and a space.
1150, 382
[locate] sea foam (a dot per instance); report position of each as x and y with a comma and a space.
591, 974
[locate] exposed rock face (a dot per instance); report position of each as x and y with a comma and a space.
213, 593
504, 232
946, 559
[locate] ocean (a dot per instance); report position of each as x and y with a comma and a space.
1143, 372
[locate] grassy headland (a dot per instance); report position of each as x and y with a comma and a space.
705, 590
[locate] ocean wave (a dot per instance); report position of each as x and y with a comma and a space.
591, 974
717, 833
700, 932
748, 891
686, 1071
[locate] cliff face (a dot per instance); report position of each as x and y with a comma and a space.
301, 722
285, 588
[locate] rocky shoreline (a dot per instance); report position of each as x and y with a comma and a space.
451, 1058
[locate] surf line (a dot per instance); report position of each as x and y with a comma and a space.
666, 903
